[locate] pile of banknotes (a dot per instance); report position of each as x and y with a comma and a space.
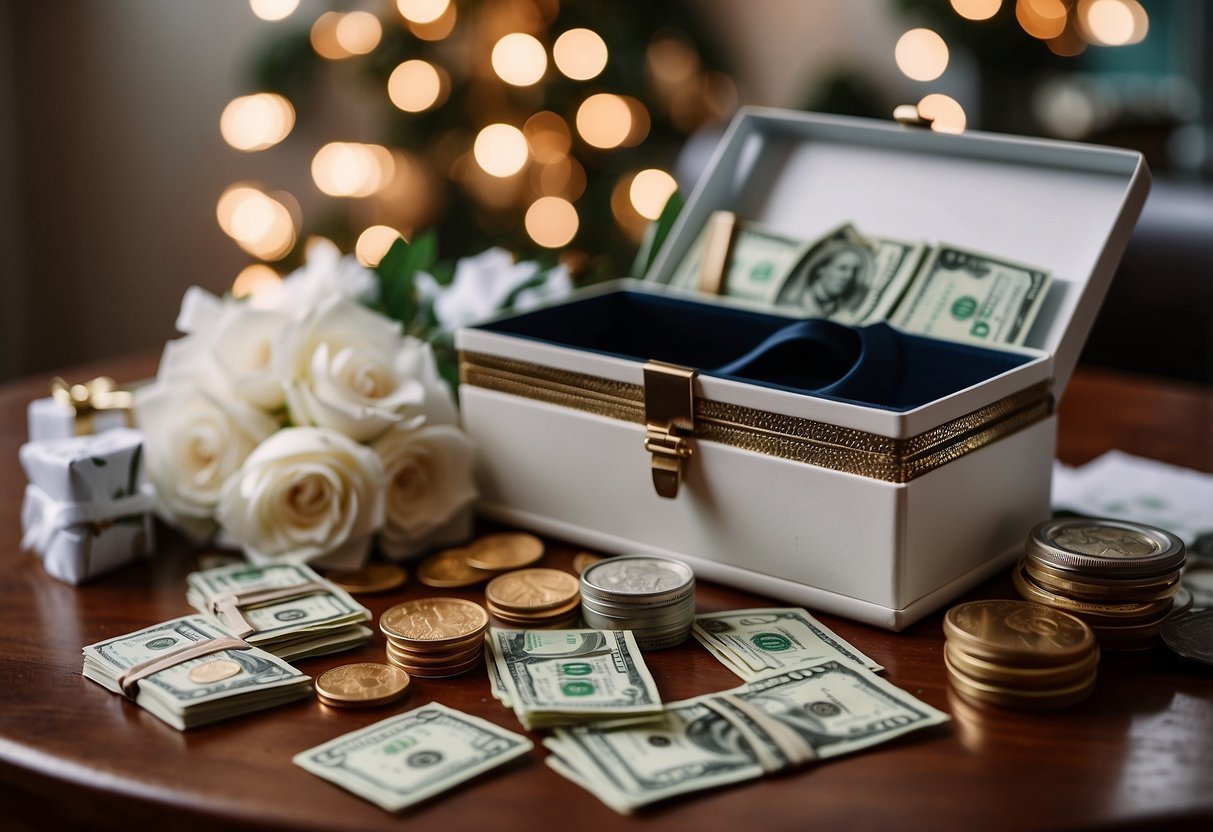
285, 609
213, 685
853, 278
562, 677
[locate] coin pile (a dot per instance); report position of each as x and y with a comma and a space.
651, 596
476, 563
1016, 654
534, 598
434, 637
362, 685
1119, 577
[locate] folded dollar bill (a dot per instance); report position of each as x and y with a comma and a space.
413, 756
193, 690
778, 722
757, 642
286, 609
563, 677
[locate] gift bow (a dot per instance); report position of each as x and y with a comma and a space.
98, 395
45, 517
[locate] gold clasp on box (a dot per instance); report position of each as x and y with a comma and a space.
669, 416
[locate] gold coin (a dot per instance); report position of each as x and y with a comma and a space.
365, 683
425, 648
1092, 612
1017, 632
517, 617
1084, 588
1008, 697
434, 622
994, 673
431, 659
449, 569
374, 577
583, 561
216, 670
505, 550
440, 671
532, 590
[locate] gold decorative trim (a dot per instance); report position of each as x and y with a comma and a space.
787, 437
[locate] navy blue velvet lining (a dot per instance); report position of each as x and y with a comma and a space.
875, 365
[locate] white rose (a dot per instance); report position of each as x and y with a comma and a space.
430, 489
479, 289
326, 273
194, 440
352, 370
305, 495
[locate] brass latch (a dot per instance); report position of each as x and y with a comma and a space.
669, 416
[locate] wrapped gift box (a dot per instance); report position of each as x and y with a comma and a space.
85, 511
903, 472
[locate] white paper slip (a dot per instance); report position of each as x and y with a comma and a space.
408, 758
1128, 487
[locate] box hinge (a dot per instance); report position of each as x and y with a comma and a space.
669, 416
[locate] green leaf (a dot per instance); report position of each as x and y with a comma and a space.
655, 235
397, 273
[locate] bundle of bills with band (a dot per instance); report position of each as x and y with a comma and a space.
188, 672
563, 677
778, 722
285, 609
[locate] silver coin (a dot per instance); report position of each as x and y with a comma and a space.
1191, 636
1105, 547
637, 577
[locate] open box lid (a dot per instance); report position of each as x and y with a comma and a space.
1064, 207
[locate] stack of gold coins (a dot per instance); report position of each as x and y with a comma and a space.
534, 598
435, 637
1016, 654
362, 685
479, 561
1118, 577
651, 596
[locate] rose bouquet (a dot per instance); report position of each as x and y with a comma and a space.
305, 424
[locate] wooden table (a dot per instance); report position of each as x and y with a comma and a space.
1137, 754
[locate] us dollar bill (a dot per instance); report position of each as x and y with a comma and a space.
308, 625
963, 295
758, 262
780, 721
185, 695
757, 642
411, 757
559, 677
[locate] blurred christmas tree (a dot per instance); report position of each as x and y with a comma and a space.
541, 126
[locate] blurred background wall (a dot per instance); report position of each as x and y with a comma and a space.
112, 161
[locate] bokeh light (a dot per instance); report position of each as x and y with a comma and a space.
260, 284
649, 192
374, 243
349, 169
552, 222
1113, 22
358, 33
564, 177
255, 122
548, 136
422, 11
260, 224
1042, 19
581, 54
945, 113
921, 54
500, 150
324, 37
416, 86
976, 9
437, 29
672, 60
273, 9
519, 59
604, 120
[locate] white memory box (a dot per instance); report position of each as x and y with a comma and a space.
879, 497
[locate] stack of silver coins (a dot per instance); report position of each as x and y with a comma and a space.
651, 596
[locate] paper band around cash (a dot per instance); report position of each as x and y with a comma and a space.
760, 732
787, 437
52, 516
129, 678
229, 604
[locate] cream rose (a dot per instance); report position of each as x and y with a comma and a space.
352, 370
305, 495
430, 488
193, 441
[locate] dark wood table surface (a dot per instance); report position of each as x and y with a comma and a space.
1137, 754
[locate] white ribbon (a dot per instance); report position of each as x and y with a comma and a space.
44, 517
